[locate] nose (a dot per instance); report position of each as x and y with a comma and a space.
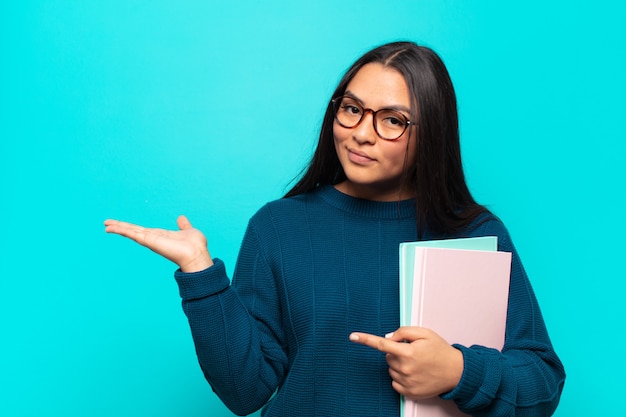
364, 132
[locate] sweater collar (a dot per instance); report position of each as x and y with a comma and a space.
366, 208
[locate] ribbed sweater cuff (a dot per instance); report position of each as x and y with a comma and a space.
204, 283
471, 379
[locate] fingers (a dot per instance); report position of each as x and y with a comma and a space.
394, 342
129, 230
111, 222
383, 344
116, 226
142, 235
409, 334
119, 224
132, 230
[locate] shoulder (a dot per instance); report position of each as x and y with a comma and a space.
283, 207
488, 224
284, 214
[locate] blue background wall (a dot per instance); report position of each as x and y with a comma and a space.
145, 110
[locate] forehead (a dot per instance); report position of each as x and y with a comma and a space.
379, 86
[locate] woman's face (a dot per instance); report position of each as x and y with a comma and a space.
374, 166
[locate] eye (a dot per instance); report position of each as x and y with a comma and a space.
351, 108
393, 119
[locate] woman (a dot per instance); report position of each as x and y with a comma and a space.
300, 329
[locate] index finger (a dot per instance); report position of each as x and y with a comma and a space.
382, 344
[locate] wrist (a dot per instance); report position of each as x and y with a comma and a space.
455, 369
197, 264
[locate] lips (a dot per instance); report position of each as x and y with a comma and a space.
359, 157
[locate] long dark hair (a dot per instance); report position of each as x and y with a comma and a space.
443, 201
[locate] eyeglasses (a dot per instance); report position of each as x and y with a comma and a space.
389, 124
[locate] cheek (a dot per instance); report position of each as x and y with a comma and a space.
412, 150
339, 133
397, 154
409, 149
339, 139
399, 157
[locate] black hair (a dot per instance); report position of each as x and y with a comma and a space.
443, 201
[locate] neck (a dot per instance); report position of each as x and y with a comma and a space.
372, 193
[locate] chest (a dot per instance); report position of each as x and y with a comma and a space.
344, 281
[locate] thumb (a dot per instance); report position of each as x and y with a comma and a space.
183, 223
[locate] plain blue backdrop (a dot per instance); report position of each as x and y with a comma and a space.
143, 110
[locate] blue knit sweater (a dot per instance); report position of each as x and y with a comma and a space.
314, 268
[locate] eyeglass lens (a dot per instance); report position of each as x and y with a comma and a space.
388, 124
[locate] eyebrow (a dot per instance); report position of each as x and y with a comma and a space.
396, 107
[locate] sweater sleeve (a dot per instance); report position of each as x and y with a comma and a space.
236, 333
527, 377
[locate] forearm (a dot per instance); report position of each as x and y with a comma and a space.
228, 341
517, 382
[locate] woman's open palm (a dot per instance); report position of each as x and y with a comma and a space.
186, 247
